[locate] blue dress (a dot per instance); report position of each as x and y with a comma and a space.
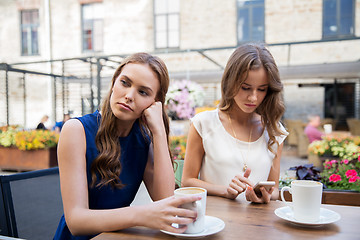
134, 154
59, 125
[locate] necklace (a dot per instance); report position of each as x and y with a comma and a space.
247, 155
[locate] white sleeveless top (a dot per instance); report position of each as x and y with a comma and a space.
225, 155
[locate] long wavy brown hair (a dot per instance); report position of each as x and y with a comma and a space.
249, 57
107, 164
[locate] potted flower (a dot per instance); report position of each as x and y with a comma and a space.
340, 179
342, 174
27, 150
334, 147
182, 99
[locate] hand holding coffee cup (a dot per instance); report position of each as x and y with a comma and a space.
306, 199
199, 206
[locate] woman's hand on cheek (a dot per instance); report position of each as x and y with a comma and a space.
153, 117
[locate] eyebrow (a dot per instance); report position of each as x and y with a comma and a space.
143, 87
264, 85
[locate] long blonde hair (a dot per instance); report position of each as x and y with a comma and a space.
107, 164
248, 57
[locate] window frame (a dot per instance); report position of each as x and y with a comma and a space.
167, 30
338, 18
32, 45
250, 24
92, 34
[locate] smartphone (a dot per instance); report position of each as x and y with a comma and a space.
266, 184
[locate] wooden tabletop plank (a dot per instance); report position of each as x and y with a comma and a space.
257, 221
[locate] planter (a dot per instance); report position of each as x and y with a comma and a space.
12, 158
336, 197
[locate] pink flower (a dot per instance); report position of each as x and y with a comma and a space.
327, 164
351, 173
345, 161
333, 162
335, 178
353, 179
359, 158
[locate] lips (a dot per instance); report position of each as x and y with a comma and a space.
250, 105
125, 106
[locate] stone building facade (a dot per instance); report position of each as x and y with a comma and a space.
206, 33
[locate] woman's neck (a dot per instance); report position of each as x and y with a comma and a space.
240, 117
124, 127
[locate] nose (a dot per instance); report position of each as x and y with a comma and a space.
253, 96
129, 95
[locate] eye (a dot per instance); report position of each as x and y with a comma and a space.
124, 83
245, 88
143, 93
263, 89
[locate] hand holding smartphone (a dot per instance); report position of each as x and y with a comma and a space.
266, 184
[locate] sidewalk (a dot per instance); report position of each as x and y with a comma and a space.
289, 159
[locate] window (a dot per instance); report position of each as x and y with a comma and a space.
339, 103
92, 27
29, 32
250, 20
166, 14
338, 18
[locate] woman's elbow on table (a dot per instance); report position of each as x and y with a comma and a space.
74, 228
77, 226
187, 182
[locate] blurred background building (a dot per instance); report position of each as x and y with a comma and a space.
58, 56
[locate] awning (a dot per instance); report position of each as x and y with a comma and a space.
341, 70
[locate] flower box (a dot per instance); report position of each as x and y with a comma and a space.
336, 197
11, 158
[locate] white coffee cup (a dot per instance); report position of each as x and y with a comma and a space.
327, 128
198, 206
306, 199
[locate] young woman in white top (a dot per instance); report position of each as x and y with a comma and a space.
235, 146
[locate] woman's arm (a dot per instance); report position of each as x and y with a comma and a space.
159, 175
74, 190
193, 160
274, 175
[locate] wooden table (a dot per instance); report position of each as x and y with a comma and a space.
257, 221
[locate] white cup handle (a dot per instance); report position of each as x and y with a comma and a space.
282, 193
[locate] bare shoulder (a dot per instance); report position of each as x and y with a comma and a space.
72, 130
72, 143
72, 125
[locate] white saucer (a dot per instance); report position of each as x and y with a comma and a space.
212, 225
326, 216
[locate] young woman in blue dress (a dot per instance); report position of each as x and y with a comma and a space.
104, 157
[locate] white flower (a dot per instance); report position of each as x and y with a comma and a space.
182, 98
